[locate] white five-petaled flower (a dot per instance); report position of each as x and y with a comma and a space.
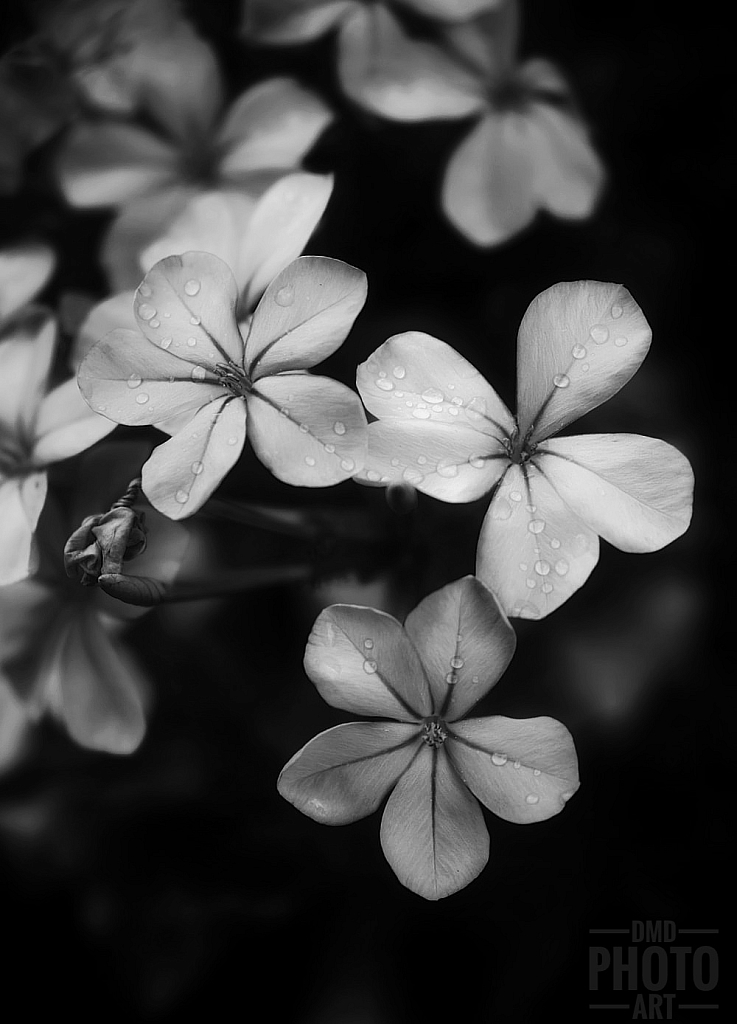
442, 428
190, 361
380, 66
426, 675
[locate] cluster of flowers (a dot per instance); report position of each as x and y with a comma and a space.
217, 345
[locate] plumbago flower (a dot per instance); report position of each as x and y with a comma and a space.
442, 428
427, 676
380, 66
190, 358
151, 175
528, 150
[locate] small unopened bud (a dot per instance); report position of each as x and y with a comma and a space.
103, 542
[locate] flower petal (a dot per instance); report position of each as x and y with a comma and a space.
282, 222
273, 124
635, 491
27, 612
191, 299
304, 315
568, 173
116, 311
433, 832
399, 77
126, 379
24, 270
464, 641
98, 692
362, 660
579, 342
25, 364
488, 188
450, 461
105, 163
66, 425
452, 10
14, 725
533, 551
182, 473
414, 376
309, 431
521, 770
21, 501
344, 773
287, 21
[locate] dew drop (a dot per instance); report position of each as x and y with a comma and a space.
555, 543
585, 367
474, 679
422, 460
499, 759
547, 588
198, 373
621, 341
309, 460
579, 352
561, 380
101, 408
191, 342
432, 396
192, 286
395, 462
399, 372
437, 408
166, 342
561, 567
600, 334
146, 311
284, 412
457, 662
501, 509
447, 468
144, 290
368, 644
515, 496
536, 525
451, 678
536, 771
531, 583
181, 497
412, 476
197, 468
373, 476
517, 764
303, 428
134, 381
195, 321
339, 428
421, 414
452, 410
330, 449
617, 312
477, 461
532, 798
531, 508
232, 440
369, 667
542, 568
348, 465
523, 566
142, 398
384, 384
457, 400
154, 323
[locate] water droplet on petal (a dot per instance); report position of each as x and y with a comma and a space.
232, 440
451, 678
422, 460
134, 381
547, 588
166, 342
154, 323
144, 290
517, 764
532, 798
181, 497
600, 334
399, 372
457, 662
561, 380
195, 321
523, 566
142, 398
515, 496
542, 568
432, 396
101, 408
412, 476
500, 509
330, 449
536, 525
585, 367
192, 286
198, 373
368, 644
146, 312
191, 342
477, 461
499, 759
579, 352
339, 428
561, 567
447, 468
531, 508
348, 465
373, 476
531, 583
309, 460
617, 312
197, 468
536, 771
384, 384
621, 341
369, 667
303, 428
555, 543
452, 410
421, 414
395, 462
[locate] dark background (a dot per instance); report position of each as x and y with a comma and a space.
176, 884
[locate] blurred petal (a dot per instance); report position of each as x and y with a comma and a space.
107, 163
543, 77
521, 770
271, 125
27, 611
126, 379
636, 492
304, 315
533, 551
117, 311
464, 641
281, 225
488, 42
452, 10
414, 377
309, 431
568, 173
433, 832
137, 226
452, 462
362, 660
399, 77
488, 188
182, 473
24, 270
291, 21
579, 342
66, 425
25, 364
344, 773
14, 725
21, 501
98, 692
190, 301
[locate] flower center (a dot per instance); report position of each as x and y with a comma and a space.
234, 379
518, 448
13, 455
434, 731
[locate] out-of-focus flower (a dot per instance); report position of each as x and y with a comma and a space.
151, 175
442, 428
24, 270
38, 427
190, 361
14, 727
427, 676
380, 66
59, 646
528, 151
